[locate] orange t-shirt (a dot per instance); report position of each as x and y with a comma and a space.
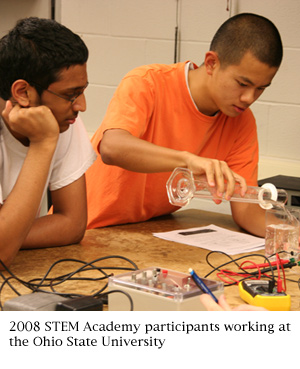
153, 103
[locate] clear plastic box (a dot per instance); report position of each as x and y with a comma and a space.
158, 289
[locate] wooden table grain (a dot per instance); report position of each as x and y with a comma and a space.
137, 243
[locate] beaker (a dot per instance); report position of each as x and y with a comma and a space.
282, 233
182, 187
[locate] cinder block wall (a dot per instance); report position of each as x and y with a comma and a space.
12, 10
123, 34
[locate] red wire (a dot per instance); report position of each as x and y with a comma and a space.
229, 275
265, 265
255, 266
279, 264
219, 275
225, 273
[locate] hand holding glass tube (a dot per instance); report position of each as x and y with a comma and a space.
182, 187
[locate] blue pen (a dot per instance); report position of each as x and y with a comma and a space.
201, 284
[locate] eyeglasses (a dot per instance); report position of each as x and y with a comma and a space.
72, 98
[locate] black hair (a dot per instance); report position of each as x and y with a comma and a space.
36, 50
248, 32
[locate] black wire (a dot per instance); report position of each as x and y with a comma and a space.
250, 274
60, 279
14, 276
6, 280
38, 284
86, 264
235, 262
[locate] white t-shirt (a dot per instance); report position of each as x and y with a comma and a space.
73, 156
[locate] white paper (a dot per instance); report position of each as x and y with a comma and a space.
215, 238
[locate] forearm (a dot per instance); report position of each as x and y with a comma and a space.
20, 208
54, 230
67, 224
120, 148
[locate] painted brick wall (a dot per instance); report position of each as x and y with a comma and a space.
123, 34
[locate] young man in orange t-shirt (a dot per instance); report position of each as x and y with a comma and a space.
167, 116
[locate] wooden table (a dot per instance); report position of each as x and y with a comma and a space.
135, 242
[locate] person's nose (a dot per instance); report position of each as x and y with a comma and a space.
80, 103
249, 96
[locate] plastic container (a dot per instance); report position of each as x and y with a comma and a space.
158, 289
282, 233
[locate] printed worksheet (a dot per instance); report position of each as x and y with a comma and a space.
215, 238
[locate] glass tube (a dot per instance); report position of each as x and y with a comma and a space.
182, 187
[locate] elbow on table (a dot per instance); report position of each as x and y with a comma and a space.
6, 258
78, 236
77, 230
75, 234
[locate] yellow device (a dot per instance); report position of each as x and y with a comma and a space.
256, 292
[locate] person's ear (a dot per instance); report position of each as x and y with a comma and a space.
22, 92
211, 61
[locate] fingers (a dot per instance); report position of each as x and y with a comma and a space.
35, 123
245, 307
211, 305
222, 305
226, 181
8, 108
219, 176
242, 182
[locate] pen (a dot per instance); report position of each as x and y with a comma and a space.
199, 282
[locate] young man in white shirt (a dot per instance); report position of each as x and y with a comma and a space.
43, 143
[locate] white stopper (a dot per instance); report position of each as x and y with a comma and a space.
274, 195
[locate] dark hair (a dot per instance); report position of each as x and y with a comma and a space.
248, 32
36, 50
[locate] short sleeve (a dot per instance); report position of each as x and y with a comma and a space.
73, 156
